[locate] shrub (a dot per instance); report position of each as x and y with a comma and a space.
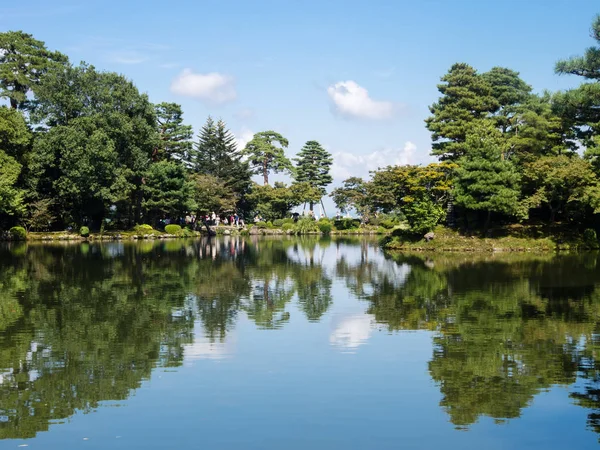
388, 224
287, 226
590, 238
325, 227
306, 226
270, 225
143, 229
346, 224
18, 233
84, 231
173, 229
260, 225
278, 223
288, 220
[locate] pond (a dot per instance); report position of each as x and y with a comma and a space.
292, 343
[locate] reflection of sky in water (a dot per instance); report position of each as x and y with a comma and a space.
351, 331
203, 348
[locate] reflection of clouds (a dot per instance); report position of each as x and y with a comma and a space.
352, 331
203, 348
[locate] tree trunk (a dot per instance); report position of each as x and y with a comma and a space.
13, 103
487, 221
311, 205
265, 173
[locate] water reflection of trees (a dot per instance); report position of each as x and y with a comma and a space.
81, 324
507, 326
88, 323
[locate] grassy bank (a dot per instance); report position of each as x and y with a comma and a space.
514, 238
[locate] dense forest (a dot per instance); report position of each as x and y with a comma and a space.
79, 146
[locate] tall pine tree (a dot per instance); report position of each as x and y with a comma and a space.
175, 138
216, 154
312, 167
466, 97
266, 157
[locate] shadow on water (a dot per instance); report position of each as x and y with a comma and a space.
82, 324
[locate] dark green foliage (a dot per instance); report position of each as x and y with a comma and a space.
346, 224
485, 181
173, 229
84, 231
265, 156
590, 237
312, 167
23, 62
466, 97
167, 191
18, 233
175, 138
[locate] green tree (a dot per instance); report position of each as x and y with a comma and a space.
312, 166
216, 154
510, 91
565, 185
211, 194
11, 197
485, 180
23, 62
167, 191
352, 194
466, 97
175, 138
581, 106
265, 156
15, 137
273, 202
108, 102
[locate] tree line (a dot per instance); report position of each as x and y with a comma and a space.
79, 146
506, 154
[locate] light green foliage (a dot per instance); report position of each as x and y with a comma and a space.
15, 136
23, 62
173, 229
565, 185
265, 156
11, 197
485, 181
18, 233
352, 195
325, 226
312, 168
466, 97
420, 193
211, 194
84, 231
175, 138
306, 225
167, 190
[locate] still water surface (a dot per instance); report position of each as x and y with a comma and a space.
295, 344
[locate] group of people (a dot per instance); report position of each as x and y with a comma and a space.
232, 219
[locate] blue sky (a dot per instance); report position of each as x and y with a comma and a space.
357, 76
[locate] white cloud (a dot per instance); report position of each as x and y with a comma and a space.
351, 100
346, 164
211, 87
243, 137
